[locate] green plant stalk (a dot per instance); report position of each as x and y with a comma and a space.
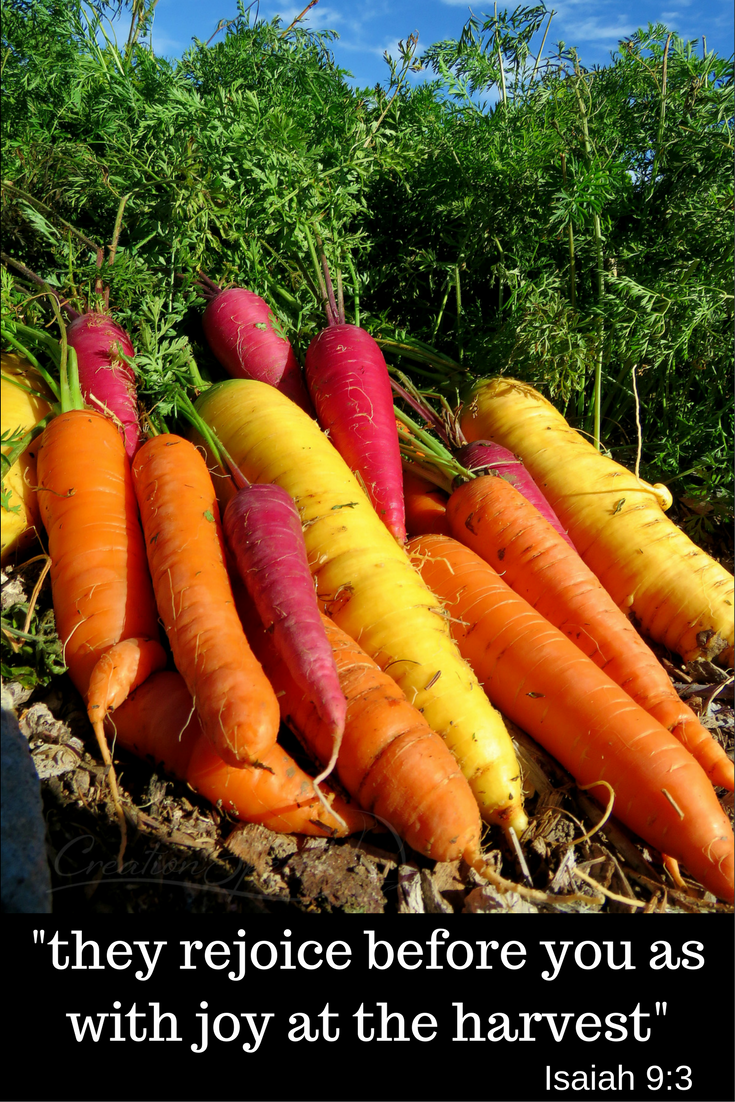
661, 119
504, 94
570, 235
541, 47
439, 455
355, 289
317, 270
458, 292
439, 316
48, 379
215, 445
597, 397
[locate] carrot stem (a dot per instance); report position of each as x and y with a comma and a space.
48, 379
215, 445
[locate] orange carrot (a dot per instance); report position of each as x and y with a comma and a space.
499, 524
102, 593
159, 722
389, 760
426, 506
535, 675
183, 535
99, 574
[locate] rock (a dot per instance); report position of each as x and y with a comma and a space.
25, 880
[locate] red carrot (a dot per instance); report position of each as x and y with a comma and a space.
263, 531
349, 385
484, 455
106, 380
241, 330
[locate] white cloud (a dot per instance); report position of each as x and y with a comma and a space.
165, 46
593, 30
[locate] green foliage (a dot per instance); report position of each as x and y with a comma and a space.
30, 654
514, 211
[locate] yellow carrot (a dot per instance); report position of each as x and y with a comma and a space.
367, 584
21, 410
676, 593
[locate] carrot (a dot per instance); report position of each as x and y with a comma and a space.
676, 593
492, 518
101, 589
23, 406
107, 381
483, 457
350, 388
426, 506
538, 678
263, 532
183, 539
242, 331
365, 581
389, 760
159, 722
99, 574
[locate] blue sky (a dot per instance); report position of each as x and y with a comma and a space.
367, 28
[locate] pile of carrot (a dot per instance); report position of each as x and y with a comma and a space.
274, 564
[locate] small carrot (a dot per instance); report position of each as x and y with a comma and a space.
490, 516
159, 722
426, 506
535, 675
107, 380
242, 331
183, 539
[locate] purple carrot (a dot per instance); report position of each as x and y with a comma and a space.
350, 387
107, 381
483, 455
263, 530
238, 325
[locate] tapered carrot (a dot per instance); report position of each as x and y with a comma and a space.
159, 722
535, 675
499, 524
102, 593
389, 760
183, 538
